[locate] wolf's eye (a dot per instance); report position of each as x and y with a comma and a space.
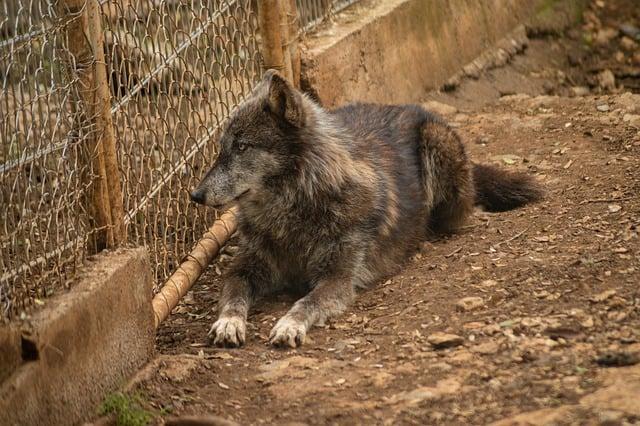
242, 146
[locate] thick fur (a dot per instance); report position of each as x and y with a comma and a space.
334, 200
498, 190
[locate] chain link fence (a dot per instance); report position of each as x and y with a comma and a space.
43, 172
152, 80
175, 71
313, 12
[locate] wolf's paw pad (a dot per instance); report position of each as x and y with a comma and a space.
288, 332
228, 332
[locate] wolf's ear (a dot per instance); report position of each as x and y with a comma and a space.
283, 100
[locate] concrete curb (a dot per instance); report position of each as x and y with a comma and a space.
82, 345
396, 51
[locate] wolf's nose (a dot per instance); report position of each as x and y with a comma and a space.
197, 196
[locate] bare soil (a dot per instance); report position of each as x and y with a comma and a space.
542, 303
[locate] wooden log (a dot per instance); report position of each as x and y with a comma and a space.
194, 265
271, 34
85, 40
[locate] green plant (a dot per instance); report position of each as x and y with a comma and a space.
126, 408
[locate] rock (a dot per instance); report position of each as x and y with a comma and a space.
603, 107
440, 340
629, 101
470, 303
601, 297
461, 357
630, 30
178, 368
629, 45
488, 283
427, 393
621, 395
547, 416
292, 366
487, 348
580, 91
614, 208
440, 108
632, 119
607, 80
604, 36
482, 140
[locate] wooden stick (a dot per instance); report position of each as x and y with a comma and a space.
104, 123
269, 24
82, 46
285, 39
292, 41
194, 265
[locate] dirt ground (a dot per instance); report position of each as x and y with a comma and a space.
534, 311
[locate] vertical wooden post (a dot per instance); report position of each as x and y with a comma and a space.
269, 24
293, 26
86, 45
284, 39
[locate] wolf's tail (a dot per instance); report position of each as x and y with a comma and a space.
499, 190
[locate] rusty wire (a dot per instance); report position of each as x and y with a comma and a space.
314, 12
176, 69
43, 172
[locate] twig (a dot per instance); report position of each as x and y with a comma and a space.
518, 235
604, 200
453, 252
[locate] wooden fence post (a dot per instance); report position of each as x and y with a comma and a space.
290, 42
284, 39
86, 45
271, 32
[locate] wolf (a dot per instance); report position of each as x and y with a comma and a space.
334, 200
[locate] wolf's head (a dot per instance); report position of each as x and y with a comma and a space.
258, 145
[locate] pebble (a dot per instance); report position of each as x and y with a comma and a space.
440, 340
487, 348
603, 108
601, 297
470, 303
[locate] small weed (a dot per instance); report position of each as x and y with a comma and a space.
126, 408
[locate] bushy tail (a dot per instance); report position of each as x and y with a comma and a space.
500, 190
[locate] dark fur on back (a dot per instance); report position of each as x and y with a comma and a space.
334, 200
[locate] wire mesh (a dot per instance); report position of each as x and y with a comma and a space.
313, 12
176, 70
43, 172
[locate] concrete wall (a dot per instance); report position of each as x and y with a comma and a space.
82, 345
395, 51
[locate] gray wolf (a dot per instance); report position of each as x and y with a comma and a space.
332, 201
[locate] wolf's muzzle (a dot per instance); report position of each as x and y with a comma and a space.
198, 196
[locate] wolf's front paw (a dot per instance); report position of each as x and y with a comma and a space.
288, 332
228, 332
